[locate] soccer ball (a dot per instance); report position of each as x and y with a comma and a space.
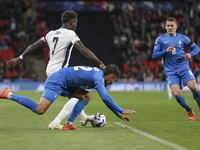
98, 120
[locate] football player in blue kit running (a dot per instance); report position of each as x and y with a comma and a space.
171, 46
72, 82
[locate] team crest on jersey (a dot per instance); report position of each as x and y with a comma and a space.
156, 42
179, 44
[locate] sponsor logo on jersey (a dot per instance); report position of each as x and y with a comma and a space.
84, 87
166, 42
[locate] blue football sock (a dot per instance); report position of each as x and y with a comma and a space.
25, 101
77, 110
183, 103
197, 97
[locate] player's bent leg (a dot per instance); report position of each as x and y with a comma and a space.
176, 90
25, 101
181, 100
42, 106
196, 93
192, 86
84, 97
75, 112
83, 94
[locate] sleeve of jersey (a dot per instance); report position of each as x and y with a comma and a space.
110, 103
158, 52
192, 45
44, 38
74, 38
195, 49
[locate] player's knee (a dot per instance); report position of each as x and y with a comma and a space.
177, 94
40, 111
87, 97
194, 89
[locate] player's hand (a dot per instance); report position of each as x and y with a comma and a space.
128, 112
170, 48
102, 66
187, 56
11, 63
125, 118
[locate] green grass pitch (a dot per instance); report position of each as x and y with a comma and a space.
21, 129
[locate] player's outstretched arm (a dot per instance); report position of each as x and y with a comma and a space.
89, 54
126, 111
29, 50
125, 118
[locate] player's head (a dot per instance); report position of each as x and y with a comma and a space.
111, 74
69, 18
171, 26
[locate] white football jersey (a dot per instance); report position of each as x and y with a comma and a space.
60, 42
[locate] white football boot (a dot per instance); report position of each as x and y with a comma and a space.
55, 126
84, 121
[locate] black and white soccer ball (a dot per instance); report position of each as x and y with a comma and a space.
98, 120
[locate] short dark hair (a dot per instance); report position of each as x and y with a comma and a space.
67, 15
172, 19
112, 69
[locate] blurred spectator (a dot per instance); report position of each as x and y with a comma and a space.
148, 76
3, 45
141, 74
16, 20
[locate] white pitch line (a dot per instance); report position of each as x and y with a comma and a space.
151, 136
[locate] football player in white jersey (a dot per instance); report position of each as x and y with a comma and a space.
61, 42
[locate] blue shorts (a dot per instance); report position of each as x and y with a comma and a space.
54, 87
181, 77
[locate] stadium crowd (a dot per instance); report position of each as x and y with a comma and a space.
17, 18
134, 34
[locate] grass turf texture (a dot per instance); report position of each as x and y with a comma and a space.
21, 129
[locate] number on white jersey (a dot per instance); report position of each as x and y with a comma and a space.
55, 39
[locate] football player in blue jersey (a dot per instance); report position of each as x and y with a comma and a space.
72, 82
171, 47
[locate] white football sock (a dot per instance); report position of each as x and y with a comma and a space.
169, 92
67, 109
9, 95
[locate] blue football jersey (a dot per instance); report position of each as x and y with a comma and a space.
82, 77
87, 78
174, 60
